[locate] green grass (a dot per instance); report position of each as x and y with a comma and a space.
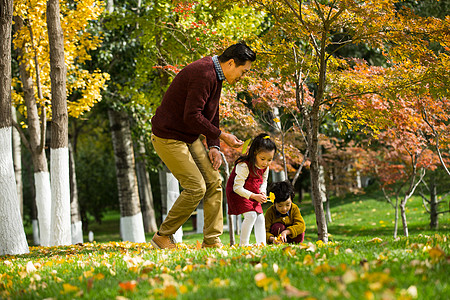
362, 261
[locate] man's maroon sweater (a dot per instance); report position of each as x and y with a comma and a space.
190, 106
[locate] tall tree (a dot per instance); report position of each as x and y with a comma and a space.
12, 234
36, 142
31, 43
59, 151
17, 159
145, 190
131, 222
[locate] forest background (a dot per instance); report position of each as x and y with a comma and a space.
355, 94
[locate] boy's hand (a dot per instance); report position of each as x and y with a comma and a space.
277, 240
283, 235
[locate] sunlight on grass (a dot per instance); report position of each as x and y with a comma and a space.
396, 269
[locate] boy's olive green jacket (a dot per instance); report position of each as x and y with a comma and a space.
294, 222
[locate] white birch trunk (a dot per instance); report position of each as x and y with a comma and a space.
60, 186
35, 228
128, 226
170, 191
77, 232
12, 235
44, 206
17, 159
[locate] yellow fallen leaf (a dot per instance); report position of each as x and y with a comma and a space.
68, 288
368, 295
289, 251
436, 253
324, 268
99, 276
375, 286
265, 282
198, 245
308, 260
170, 291
375, 240
183, 289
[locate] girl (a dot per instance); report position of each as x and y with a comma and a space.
246, 187
284, 223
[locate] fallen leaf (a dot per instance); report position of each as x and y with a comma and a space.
292, 291
412, 290
170, 291
436, 253
375, 240
198, 245
289, 251
30, 267
308, 260
349, 276
128, 285
68, 288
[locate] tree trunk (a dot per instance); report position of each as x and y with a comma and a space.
434, 222
170, 190
17, 159
131, 224
75, 216
396, 217
316, 194
323, 191
12, 235
403, 216
145, 191
59, 151
36, 132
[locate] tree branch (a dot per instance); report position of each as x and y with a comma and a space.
22, 135
436, 136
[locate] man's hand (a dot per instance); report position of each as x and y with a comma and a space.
215, 157
230, 139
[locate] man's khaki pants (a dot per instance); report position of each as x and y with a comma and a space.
190, 165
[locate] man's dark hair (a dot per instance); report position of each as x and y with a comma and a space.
240, 52
282, 191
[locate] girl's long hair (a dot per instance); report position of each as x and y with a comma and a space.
261, 143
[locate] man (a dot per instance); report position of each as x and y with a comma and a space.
190, 108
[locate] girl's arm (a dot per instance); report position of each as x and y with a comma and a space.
263, 188
242, 172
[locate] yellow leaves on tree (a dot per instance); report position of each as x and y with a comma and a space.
83, 87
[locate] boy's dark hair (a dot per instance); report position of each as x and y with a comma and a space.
262, 142
282, 191
239, 52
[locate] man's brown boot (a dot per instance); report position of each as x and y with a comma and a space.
163, 242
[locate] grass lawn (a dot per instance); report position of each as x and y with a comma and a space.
361, 261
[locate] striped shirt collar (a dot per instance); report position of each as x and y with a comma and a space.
218, 68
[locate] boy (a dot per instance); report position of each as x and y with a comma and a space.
284, 223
